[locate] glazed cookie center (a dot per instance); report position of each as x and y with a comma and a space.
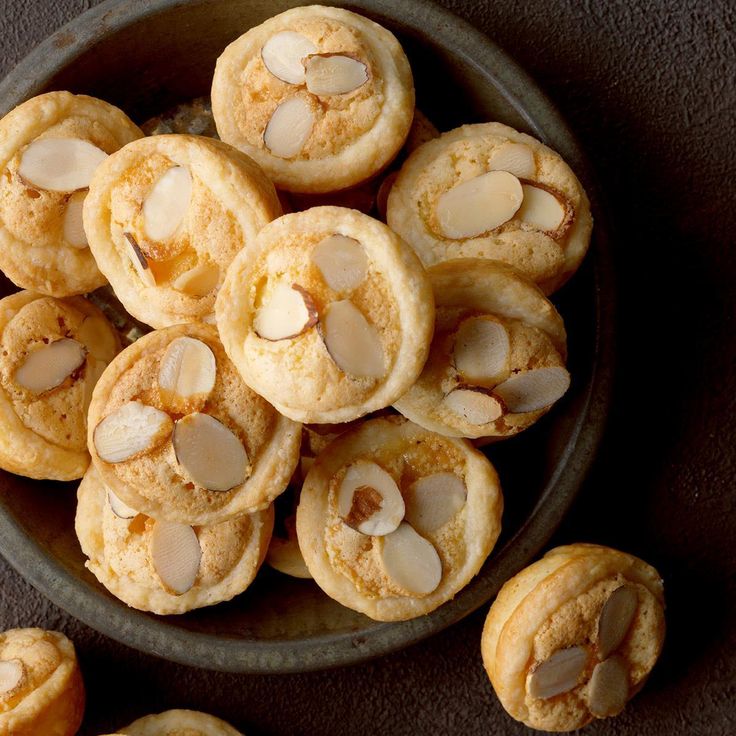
26, 662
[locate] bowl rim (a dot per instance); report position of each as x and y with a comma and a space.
156, 636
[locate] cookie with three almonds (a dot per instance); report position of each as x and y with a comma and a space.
179, 723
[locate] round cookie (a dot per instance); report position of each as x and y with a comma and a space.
180, 723
176, 434
166, 567
41, 688
488, 191
166, 215
497, 360
394, 520
49, 148
574, 636
320, 97
328, 315
52, 352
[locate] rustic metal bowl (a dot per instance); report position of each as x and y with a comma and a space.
146, 55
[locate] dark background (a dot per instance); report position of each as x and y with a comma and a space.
650, 90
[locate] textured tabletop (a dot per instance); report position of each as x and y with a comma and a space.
650, 90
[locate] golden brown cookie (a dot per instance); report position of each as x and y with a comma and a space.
179, 723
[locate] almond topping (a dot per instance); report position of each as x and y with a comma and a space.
289, 128
433, 500
352, 342
130, 431
289, 312
516, 158
609, 688
410, 561
541, 209
479, 205
11, 675
369, 500
139, 260
60, 164
73, 229
186, 373
176, 555
198, 281
334, 74
533, 390
558, 674
120, 508
50, 365
211, 455
167, 203
615, 619
482, 350
474, 404
283, 55
341, 261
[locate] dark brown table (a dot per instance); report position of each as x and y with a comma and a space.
650, 89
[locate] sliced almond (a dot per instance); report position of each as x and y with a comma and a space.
131, 430
139, 260
11, 675
474, 404
369, 500
352, 342
119, 508
176, 555
98, 337
542, 209
479, 205
615, 619
60, 164
482, 348
73, 228
533, 390
283, 55
289, 128
342, 262
212, 456
198, 281
410, 561
559, 674
187, 372
288, 313
334, 74
50, 365
516, 158
433, 500
167, 204
609, 688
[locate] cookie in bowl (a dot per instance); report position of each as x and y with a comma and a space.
574, 636
52, 352
166, 215
50, 147
179, 723
395, 520
166, 567
328, 315
176, 434
488, 191
41, 688
497, 361
322, 98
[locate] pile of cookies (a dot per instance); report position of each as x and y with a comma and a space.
341, 299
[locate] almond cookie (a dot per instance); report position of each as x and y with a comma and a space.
176, 434
52, 352
166, 567
50, 147
574, 636
180, 723
395, 520
328, 315
165, 216
488, 191
320, 97
41, 688
497, 361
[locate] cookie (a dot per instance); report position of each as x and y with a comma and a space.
394, 520
320, 97
52, 352
166, 215
180, 723
49, 148
574, 636
176, 434
41, 688
497, 361
488, 191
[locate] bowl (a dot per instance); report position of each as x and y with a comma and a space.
147, 55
